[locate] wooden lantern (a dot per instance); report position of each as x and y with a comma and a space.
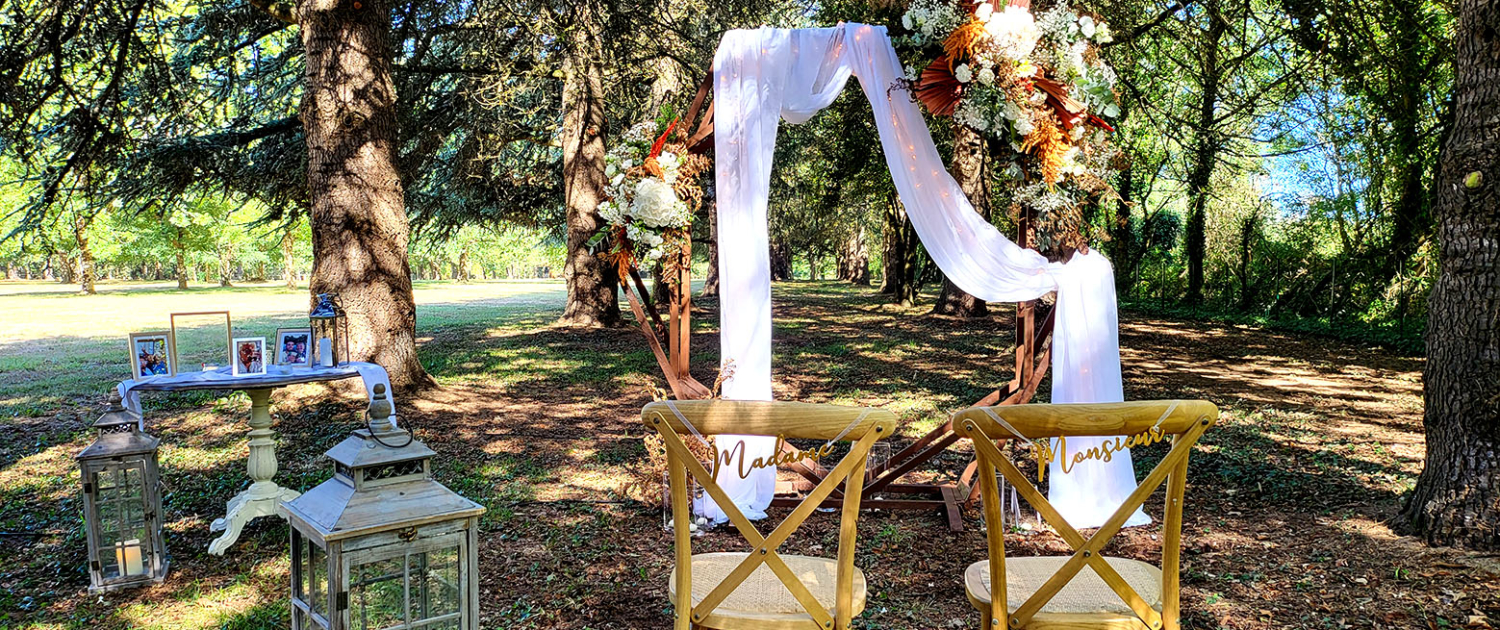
122, 504
330, 332
381, 544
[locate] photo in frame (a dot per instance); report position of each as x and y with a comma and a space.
151, 355
201, 339
249, 356
294, 347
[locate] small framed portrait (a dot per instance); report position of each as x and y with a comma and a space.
249, 356
151, 355
294, 347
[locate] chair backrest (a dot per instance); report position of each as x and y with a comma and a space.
1131, 424
862, 426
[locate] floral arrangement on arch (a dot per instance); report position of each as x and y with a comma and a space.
651, 196
1034, 82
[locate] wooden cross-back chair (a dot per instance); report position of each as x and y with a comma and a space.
1054, 592
764, 589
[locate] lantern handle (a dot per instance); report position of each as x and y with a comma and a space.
379, 413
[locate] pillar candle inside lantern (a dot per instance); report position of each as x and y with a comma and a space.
128, 558
325, 352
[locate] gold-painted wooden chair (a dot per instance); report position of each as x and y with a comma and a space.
763, 589
1055, 592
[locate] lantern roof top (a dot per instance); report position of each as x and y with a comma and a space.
366, 448
335, 510
119, 433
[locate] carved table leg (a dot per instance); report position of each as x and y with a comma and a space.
261, 497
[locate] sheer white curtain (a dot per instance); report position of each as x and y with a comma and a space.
765, 75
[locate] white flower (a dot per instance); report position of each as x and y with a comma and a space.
615, 181
654, 203
1024, 127
986, 76
610, 170
626, 165
1086, 25
1012, 111
1038, 97
1102, 34
962, 73
1014, 31
906, 21
984, 11
912, 74
1076, 133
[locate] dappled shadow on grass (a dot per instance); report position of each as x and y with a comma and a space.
535, 421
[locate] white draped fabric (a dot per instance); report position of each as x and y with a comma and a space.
766, 75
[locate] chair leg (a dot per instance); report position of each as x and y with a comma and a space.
985, 620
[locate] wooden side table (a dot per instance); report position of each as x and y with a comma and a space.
263, 495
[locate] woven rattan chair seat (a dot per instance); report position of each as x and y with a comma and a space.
762, 601
1086, 597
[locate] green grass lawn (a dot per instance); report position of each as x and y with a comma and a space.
539, 422
57, 345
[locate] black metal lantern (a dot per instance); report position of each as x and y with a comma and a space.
122, 503
381, 544
330, 329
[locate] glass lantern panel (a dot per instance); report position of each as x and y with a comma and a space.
317, 578
435, 583
377, 594
120, 512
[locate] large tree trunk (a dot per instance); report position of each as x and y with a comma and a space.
1121, 245
10, 270
781, 261
592, 298
968, 168
181, 250
711, 279
1412, 222
899, 254
288, 267
854, 261
1457, 498
86, 273
1205, 155
359, 227
226, 264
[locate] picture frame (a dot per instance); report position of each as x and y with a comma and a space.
228, 337
249, 356
299, 354
151, 354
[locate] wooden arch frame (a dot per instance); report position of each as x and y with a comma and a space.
1033, 335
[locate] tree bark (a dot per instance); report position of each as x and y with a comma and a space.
854, 263
899, 254
1122, 234
1457, 497
180, 250
226, 264
592, 297
288, 267
1205, 155
781, 261
359, 227
968, 168
711, 279
86, 273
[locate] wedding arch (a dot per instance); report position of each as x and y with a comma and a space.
762, 76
